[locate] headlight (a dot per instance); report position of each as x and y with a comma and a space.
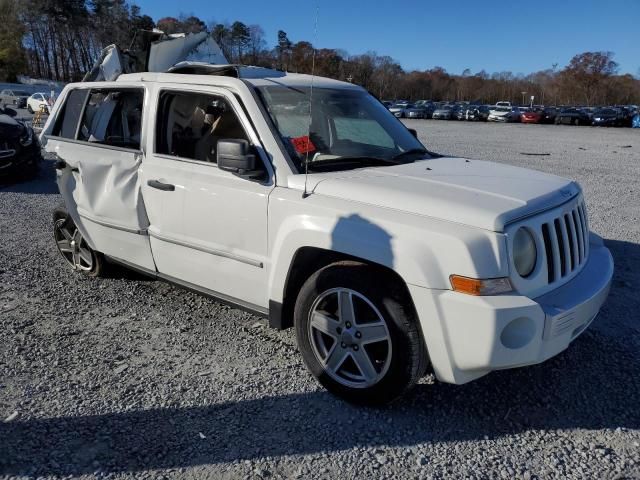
524, 252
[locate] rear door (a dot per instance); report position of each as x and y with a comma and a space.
96, 137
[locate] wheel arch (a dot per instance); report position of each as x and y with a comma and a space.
308, 260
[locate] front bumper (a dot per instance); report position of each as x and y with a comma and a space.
468, 337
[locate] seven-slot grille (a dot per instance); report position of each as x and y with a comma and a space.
566, 242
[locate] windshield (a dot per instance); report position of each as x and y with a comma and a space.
20, 93
349, 128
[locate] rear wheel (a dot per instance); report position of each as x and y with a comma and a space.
29, 109
73, 247
576, 122
358, 333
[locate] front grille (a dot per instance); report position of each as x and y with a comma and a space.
566, 242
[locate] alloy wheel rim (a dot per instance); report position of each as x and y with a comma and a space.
349, 338
72, 246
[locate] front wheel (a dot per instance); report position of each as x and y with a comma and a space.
73, 247
29, 109
358, 333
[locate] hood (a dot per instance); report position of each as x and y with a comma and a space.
471, 192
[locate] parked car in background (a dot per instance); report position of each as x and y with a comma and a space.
608, 117
627, 115
17, 98
503, 104
531, 116
19, 147
35, 101
442, 113
399, 109
572, 116
387, 103
549, 115
502, 114
589, 112
416, 111
477, 113
458, 112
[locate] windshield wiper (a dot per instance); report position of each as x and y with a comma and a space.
412, 151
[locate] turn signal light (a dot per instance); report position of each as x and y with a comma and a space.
476, 286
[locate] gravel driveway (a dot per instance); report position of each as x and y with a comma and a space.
125, 376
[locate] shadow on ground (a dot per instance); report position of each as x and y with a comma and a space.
592, 385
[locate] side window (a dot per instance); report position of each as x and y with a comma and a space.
67, 121
189, 125
113, 117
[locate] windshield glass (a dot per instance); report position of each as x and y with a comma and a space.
20, 93
349, 128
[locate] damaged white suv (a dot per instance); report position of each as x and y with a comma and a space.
385, 258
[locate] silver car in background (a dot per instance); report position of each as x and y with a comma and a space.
17, 98
400, 109
442, 113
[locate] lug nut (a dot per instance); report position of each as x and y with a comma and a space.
358, 335
343, 345
348, 325
355, 347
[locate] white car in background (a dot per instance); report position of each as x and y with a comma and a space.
384, 257
35, 101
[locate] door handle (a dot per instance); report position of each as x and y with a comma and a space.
167, 187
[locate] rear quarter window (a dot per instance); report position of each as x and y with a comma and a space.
67, 122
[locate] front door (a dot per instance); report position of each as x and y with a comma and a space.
96, 137
208, 227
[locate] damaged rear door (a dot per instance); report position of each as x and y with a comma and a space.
97, 139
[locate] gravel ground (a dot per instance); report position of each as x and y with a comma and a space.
124, 376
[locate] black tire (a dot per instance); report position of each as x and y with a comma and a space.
557, 121
407, 360
61, 218
576, 122
29, 109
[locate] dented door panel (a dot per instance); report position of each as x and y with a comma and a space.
101, 189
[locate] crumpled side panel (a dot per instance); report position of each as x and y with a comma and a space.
110, 190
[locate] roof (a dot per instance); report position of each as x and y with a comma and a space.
209, 74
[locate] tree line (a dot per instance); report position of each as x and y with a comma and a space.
61, 39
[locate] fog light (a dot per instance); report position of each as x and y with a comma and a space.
518, 333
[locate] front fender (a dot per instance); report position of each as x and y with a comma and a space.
423, 251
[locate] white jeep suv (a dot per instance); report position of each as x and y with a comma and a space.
305, 201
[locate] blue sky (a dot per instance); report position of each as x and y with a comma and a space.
495, 35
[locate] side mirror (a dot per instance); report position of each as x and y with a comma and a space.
233, 156
413, 132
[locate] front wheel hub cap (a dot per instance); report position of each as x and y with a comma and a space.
349, 337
